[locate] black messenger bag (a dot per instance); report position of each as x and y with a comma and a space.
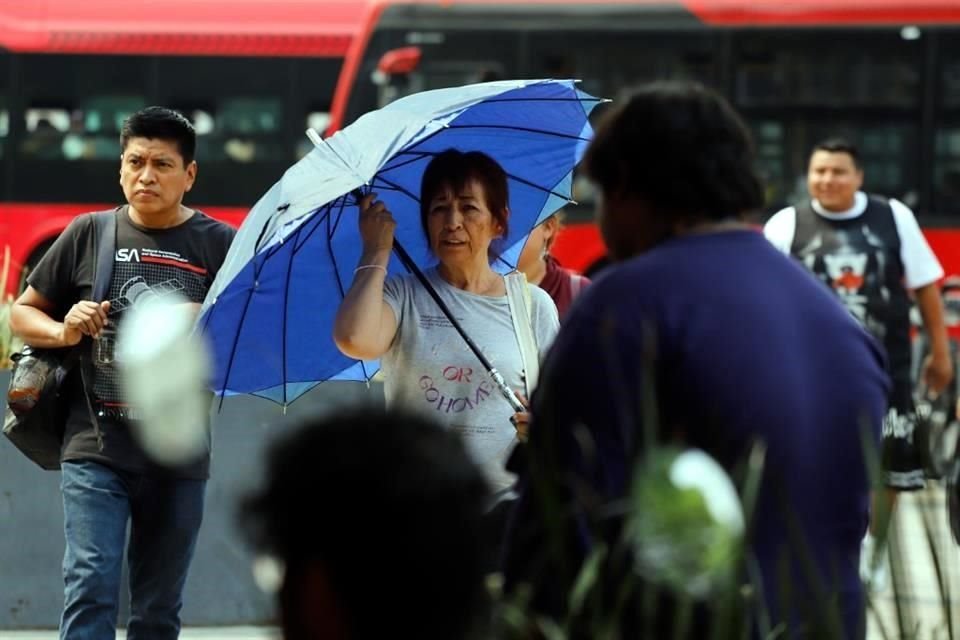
37, 411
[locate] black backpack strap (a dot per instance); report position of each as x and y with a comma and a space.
805, 224
104, 248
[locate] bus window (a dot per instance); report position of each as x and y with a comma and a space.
609, 62
249, 129
770, 140
314, 83
70, 125
946, 178
796, 88
827, 68
45, 129
88, 130
240, 105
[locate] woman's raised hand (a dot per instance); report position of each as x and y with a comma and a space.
376, 225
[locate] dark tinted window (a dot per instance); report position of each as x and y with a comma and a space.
250, 115
73, 107
827, 68
610, 62
946, 178
240, 107
796, 88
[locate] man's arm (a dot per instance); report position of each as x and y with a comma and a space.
30, 321
937, 368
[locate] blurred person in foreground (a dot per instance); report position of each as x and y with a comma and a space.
738, 345
108, 480
376, 521
543, 270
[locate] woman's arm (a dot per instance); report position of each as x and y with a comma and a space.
365, 324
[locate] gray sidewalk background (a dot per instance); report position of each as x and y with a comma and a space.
220, 591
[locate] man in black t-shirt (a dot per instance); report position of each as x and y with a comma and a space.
161, 247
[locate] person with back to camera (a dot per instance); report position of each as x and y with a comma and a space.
729, 360
398, 550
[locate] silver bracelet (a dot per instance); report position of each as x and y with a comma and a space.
370, 266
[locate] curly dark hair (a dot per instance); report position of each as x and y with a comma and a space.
681, 148
390, 507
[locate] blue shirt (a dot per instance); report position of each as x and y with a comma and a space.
746, 345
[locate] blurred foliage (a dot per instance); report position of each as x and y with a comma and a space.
683, 548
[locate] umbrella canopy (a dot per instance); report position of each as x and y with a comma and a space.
269, 314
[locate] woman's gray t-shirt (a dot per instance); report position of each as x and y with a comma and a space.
430, 369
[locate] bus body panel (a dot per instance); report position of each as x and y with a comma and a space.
263, 27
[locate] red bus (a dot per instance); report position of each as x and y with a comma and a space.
886, 73
252, 75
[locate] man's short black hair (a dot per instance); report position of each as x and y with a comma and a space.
389, 506
681, 148
838, 145
161, 123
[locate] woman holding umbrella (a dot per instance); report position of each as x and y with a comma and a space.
427, 364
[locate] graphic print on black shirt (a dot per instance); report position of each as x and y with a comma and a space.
139, 274
859, 259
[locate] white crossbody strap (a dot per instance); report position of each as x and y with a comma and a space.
521, 311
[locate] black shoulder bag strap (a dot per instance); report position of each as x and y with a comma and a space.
104, 247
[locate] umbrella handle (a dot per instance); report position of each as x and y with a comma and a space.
506, 391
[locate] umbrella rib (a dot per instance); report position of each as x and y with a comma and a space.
325, 216
504, 127
342, 202
246, 305
581, 100
396, 187
286, 310
420, 155
233, 349
333, 261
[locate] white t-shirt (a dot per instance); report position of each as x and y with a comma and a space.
920, 265
430, 369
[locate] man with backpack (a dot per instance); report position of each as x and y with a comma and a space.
161, 246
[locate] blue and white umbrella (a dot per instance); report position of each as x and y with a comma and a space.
269, 314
